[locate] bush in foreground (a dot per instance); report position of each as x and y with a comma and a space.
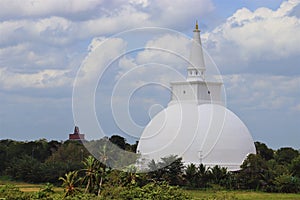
160, 191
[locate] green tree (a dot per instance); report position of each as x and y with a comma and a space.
91, 167
169, 169
295, 166
172, 169
265, 152
25, 168
274, 170
285, 155
191, 175
219, 175
3, 150
70, 181
253, 172
51, 171
118, 140
155, 172
151, 191
203, 176
38, 149
129, 176
71, 153
287, 183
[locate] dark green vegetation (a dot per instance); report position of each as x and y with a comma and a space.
84, 177
41, 161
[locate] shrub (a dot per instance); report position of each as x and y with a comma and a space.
287, 183
11, 192
160, 191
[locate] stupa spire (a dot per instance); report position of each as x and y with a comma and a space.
196, 68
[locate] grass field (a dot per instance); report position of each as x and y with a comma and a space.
196, 194
240, 195
27, 187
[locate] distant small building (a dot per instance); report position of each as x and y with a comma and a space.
76, 135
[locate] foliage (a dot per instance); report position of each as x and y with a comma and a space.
110, 154
191, 175
30, 170
69, 183
51, 171
91, 166
118, 140
218, 175
295, 166
169, 169
48, 188
129, 176
287, 183
241, 195
265, 152
45, 191
25, 168
11, 192
70, 152
41, 162
286, 155
203, 176
153, 191
253, 173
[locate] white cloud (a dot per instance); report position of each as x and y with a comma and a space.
169, 49
126, 18
28, 57
264, 34
163, 12
162, 60
53, 25
177, 13
41, 35
143, 3
51, 31
267, 92
43, 79
39, 8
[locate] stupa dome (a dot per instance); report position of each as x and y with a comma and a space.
207, 133
196, 126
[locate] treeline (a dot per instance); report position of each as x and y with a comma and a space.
44, 161
41, 161
268, 171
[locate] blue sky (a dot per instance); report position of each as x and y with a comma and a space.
255, 45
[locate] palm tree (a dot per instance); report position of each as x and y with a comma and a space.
69, 182
218, 174
102, 173
191, 174
172, 169
91, 167
129, 175
202, 176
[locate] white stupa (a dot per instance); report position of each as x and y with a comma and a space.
196, 126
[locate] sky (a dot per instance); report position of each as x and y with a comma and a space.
46, 44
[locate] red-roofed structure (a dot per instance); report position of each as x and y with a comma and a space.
76, 135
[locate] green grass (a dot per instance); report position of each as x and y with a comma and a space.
25, 187
196, 194
240, 195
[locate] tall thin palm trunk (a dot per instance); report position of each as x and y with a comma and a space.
100, 186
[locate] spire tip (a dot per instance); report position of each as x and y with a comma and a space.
196, 25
